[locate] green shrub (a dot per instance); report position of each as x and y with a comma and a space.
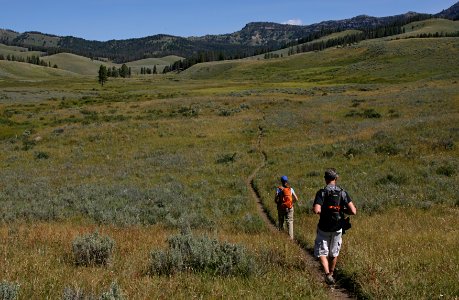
352, 152
394, 179
367, 113
327, 154
92, 249
226, 112
27, 144
8, 290
388, 148
353, 113
187, 111
380, 136
444, 144
313, 174
357, 102
394, 114
371, 207
371, 114
226, 158
446, 170
244, 106
41, 155
188, 253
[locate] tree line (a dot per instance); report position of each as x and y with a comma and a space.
434, 35
145, 70
105, 72
35, 60
348, 39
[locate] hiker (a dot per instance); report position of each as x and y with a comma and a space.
331, 202
285, 196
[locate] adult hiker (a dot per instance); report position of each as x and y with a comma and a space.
285, 197
331, 202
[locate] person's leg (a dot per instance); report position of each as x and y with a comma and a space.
321, 249
335, 247
280, 218
332, 264
324, 263
290, 222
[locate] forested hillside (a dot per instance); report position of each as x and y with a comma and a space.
255, 38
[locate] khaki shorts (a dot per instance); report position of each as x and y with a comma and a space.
327, 243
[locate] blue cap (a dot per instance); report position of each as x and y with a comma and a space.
284, 178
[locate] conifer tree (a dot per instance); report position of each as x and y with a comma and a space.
115, 72
102, 74
124, 71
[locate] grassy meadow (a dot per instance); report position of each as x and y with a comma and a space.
141, 159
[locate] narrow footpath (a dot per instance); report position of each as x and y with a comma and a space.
336, 291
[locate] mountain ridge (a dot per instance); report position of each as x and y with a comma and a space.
253, 38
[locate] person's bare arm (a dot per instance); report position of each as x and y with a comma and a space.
317, 208
295, 198
351, 210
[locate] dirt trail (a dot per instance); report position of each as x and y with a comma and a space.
336, 292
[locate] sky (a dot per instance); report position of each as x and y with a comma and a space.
122, 19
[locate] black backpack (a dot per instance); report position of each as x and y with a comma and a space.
332, 213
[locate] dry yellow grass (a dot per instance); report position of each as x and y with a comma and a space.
39, 257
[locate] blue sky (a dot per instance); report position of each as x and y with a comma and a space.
120, 19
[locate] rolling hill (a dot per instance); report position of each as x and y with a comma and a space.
24, 71
384, 60
167, 60
75, 63
18, 51
431, 26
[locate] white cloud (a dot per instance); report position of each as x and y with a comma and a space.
293, 22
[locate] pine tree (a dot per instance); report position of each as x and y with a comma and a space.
115, 72
102, 74
154, 70
124, 71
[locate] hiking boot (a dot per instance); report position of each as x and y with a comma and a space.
329, 279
